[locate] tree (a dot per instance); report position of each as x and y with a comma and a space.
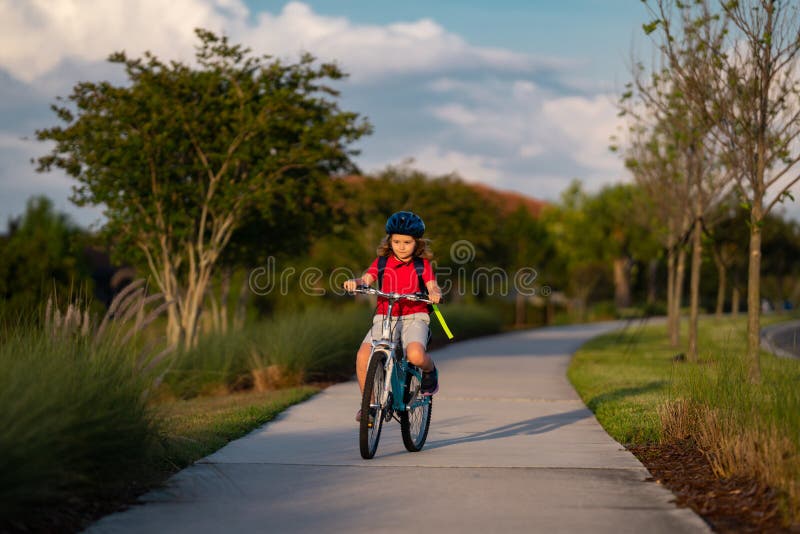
41, 255
180, 154
525, 245
688, 57
752, 106
584, 242
653, 158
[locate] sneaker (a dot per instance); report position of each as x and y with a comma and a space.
430, 383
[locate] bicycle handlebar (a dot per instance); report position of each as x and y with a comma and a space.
367, 290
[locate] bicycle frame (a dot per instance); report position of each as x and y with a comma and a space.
396, 364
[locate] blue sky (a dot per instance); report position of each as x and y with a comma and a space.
516, 94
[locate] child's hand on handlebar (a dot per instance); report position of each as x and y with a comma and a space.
350, 285
435, 295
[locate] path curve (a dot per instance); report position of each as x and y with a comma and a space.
782, 339
511, 449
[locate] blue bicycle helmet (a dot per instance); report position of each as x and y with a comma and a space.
405, 223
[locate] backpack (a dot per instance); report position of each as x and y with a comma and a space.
419, 266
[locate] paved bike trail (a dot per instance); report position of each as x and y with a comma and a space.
511, 449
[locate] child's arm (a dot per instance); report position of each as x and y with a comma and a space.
366, 280
434, 293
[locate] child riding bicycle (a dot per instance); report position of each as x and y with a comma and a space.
402, 266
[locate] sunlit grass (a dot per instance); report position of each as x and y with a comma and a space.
642, 393
192, 429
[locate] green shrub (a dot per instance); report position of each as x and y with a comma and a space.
317, 343
73, 417
465, 321
314, 344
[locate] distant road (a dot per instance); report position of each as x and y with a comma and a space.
511, 449
782, 339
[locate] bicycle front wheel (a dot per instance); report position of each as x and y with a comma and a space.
415, 421
372, 411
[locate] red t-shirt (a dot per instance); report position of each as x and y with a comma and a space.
399, 277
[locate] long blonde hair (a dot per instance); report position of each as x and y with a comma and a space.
422, 247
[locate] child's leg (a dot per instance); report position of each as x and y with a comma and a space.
362, 361
362, 356
415, 352
415, 336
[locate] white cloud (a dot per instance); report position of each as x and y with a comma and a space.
12, 141
486, 114
372, 51
456, 114
530, 150
586, 124
37, 35
439, 161
534, 126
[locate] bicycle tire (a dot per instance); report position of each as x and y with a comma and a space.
414, 424
369, 436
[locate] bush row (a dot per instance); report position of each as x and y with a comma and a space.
76, 411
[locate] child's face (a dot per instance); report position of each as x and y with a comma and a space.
402, 246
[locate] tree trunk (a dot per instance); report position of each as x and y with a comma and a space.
754, 295
198, 278
622, 283
173, 322
722, 279
171, 294
652, 275
694, 298
735, 295
680, 271
670, 288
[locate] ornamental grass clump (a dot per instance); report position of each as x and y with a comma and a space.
744, 429
73, 407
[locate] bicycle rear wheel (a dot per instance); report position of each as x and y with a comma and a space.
372, 411
415, 421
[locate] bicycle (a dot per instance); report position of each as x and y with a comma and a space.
392, 387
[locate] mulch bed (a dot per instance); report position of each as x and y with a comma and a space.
728, 505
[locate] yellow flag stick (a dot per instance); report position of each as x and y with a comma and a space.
441, 321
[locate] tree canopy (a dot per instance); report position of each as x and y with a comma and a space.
179, 154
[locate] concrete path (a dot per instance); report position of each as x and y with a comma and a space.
511, 449
782, 339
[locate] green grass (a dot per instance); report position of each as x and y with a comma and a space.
465, 321
73, 416
627, 378
315, 344
192, 429
81, 422
623, 378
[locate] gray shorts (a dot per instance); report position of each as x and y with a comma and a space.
411, 328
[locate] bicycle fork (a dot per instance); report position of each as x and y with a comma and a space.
387, 380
